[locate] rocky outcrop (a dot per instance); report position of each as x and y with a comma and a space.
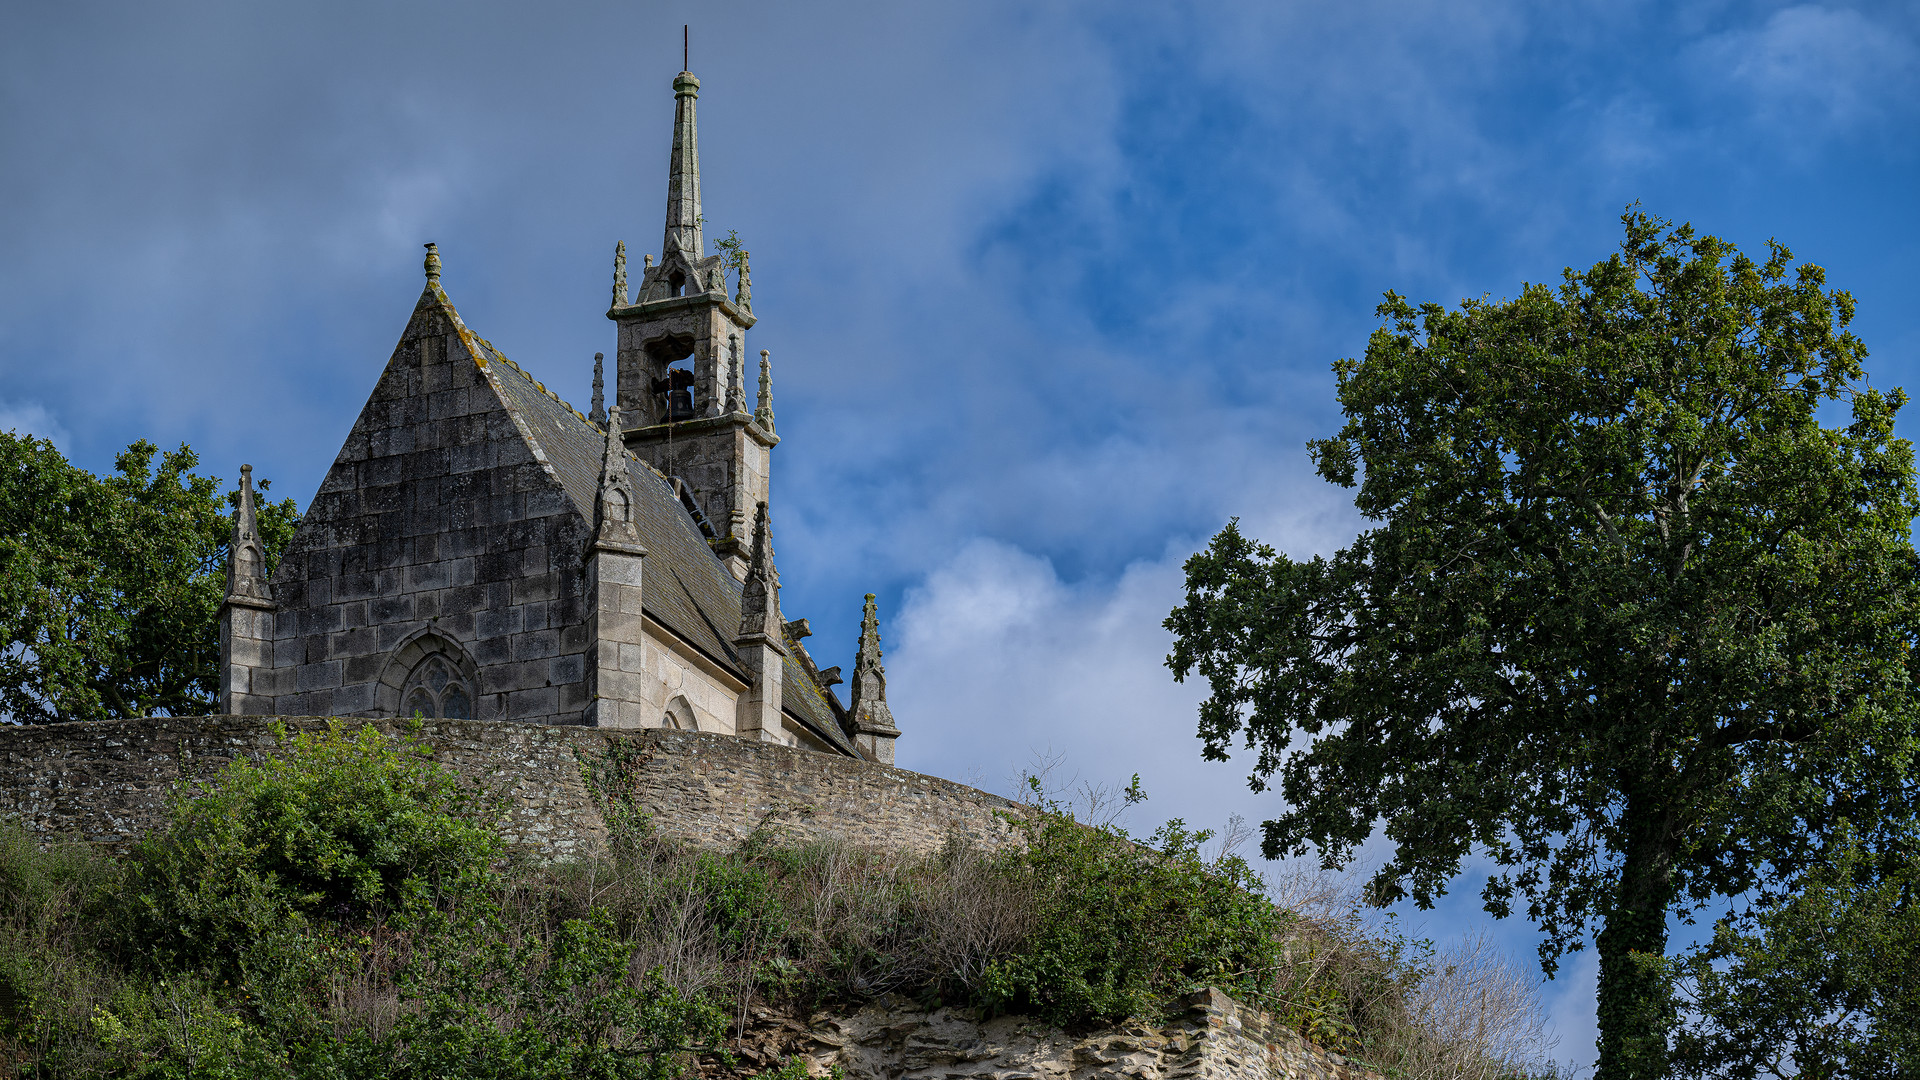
1207, 1036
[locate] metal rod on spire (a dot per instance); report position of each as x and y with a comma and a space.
685, 38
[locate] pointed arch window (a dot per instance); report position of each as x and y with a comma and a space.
679, 716
436, 690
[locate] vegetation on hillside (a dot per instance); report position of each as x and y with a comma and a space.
110, 585
1634, 622
347, 910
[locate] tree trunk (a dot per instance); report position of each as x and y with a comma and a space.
1636, 1002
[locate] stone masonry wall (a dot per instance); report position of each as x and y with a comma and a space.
436, 517
1212, 1037
108, 781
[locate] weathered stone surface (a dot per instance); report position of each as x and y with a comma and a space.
108, 781
1210, 1037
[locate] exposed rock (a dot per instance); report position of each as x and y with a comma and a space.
1207, 1036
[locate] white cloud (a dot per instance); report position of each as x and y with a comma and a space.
30, 418
998, 660
1817, 64
995, 662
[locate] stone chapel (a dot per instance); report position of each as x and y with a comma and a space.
482, 550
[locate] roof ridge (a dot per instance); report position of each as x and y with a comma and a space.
467, 337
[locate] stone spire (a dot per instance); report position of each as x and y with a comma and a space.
620, 273
246, 558
598, 414
683, 177
736, 378
873, 728
743, 299
760, 601
764, 411
614, 506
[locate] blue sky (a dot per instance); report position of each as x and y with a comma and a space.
1051, 289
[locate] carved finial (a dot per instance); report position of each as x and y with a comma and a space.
736, 377
760, 599
763, 413
599, 412
246, 558
744, 298
614, 507
620, 273
433, 264
872, 719
647, 261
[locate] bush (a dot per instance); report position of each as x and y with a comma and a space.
344, 911
1121, 926
52, 974
339, 827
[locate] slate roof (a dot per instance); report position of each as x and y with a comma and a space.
688, 588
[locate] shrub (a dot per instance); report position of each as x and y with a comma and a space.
337, 826
343, 911
1120, 926
52, 974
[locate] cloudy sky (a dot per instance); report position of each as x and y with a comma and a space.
1051, 289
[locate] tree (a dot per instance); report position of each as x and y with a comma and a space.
1821, 985
1632, 621
110, 586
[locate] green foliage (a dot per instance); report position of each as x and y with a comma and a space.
48, 904
342, 911
336, 826
578, 1009
729, 250
795, 1069
1825, 984
1633, 621
612, 778
1123, 925
110, 585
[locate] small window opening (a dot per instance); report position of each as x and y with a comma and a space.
676, 283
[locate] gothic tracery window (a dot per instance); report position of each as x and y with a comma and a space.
436, 691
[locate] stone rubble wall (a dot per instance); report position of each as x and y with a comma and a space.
108, 782
1213, 1038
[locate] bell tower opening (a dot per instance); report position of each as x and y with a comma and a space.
671, 379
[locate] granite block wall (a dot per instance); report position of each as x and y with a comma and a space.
437, 516
108, 781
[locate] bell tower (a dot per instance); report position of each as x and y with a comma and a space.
680, 367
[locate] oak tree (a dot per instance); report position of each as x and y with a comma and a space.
1821, 985
1632, 619
110, 586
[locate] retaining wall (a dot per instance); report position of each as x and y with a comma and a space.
108, 781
